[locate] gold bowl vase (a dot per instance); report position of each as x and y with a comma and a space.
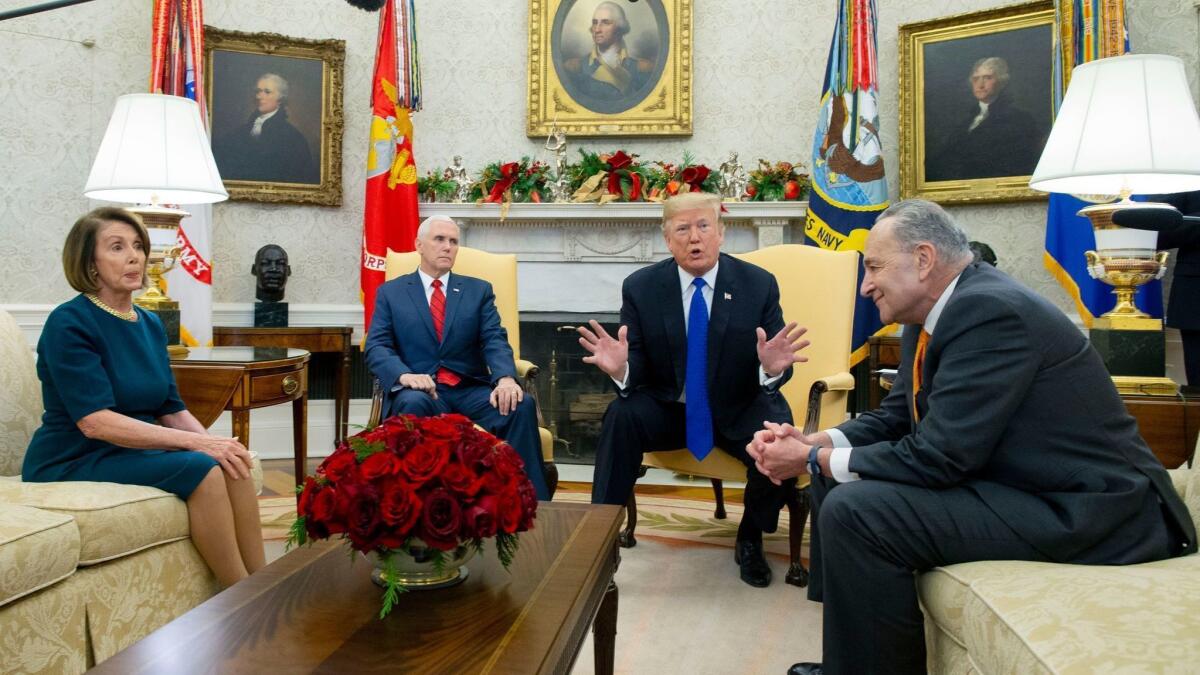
415, 570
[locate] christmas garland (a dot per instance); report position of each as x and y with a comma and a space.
612, 177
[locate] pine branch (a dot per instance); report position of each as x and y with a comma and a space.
394, 588
506, 548
297, 534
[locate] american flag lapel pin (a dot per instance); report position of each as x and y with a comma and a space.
728, 296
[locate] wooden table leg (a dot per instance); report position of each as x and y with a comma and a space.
300, 437
342, 402
241, 426
604, 631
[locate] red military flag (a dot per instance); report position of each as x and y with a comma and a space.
177, 68
391, 215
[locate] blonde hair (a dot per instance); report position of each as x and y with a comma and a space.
689, 201
79, 250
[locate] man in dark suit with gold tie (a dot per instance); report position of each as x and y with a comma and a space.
693, 365
1003, 438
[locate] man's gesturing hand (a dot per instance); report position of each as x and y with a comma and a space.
607, 354
506, 395
782, 350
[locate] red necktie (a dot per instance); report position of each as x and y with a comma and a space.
437, 307
918, 366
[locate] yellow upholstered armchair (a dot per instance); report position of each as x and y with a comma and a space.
500, 270
817, 290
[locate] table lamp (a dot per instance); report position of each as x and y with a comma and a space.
156, 153
1126, 125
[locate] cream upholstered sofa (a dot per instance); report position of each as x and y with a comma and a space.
86, 569
1027, 617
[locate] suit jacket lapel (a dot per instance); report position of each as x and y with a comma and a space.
416, 293
672, 301
718, 319
453, 300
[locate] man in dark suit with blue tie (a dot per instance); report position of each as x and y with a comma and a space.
436, 344
693, 365
1003, 438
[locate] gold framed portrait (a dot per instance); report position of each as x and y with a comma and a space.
605, 68
976, 104
275, 104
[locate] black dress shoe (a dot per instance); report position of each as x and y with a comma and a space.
805, 669
754, 569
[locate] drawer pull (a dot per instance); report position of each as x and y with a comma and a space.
290, 385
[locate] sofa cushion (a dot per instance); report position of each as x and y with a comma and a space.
37, 549
114, 520
1039, 617
1187, 484
20, 396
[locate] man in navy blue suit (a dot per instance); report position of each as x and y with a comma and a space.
437, 346
693, 365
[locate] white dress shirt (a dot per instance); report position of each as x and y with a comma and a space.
839, 460
257, 130
688, 289
983, 113
427, 282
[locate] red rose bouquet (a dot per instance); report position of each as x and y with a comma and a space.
436, 481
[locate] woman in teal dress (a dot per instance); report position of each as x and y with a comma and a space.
113, 413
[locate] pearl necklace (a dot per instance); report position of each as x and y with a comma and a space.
131, 315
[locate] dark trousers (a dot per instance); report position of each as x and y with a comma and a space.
519, 427
867, 539
638, 423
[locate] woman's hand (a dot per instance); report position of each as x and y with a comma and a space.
229, 453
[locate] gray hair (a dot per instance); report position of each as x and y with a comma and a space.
423, 228
281, 85
622, 24
916, 221
997, 65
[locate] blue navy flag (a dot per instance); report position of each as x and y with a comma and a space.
849, 189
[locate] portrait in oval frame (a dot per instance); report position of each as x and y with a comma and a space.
610, 67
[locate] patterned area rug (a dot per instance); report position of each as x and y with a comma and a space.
676, 515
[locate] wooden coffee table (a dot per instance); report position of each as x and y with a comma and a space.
314, 611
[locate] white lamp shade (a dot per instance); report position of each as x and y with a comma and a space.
1127, 122
155, 151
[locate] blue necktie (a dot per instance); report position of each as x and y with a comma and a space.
699, 416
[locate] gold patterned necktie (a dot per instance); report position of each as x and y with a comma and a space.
918, 366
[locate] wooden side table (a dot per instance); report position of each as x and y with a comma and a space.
239, 379
1169, 424
322, 339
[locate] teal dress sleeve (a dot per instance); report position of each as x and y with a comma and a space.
72, 359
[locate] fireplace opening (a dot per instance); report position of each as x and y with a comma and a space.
573, 394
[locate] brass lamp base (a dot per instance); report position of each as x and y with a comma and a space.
1124, 266
160, 260
1145, 386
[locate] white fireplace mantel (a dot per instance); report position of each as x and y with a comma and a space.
573, 257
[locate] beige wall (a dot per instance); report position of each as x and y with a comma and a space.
758, 65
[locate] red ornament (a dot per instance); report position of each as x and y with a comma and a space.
791, 190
